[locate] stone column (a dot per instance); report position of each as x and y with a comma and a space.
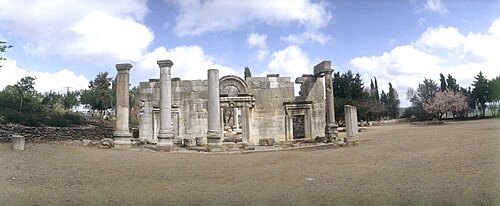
351, 121
165, 135
18, 142
236, 125
214, 133
146, 127
122, 135
330, 128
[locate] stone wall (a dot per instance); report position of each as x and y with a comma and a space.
54, 133
268, 116
189, 108
313, 90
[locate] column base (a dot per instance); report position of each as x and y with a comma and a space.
165, 139
122, 138
214, 139
331, 132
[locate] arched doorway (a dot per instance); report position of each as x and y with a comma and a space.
236, 106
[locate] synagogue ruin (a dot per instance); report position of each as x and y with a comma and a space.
255, 110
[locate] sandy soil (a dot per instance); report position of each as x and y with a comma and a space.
457, 163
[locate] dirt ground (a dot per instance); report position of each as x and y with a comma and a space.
457, 163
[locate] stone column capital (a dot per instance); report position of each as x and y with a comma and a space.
165, 63
123, 67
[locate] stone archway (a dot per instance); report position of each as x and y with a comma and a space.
233, 81
234, 97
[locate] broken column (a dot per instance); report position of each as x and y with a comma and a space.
122, 136
146, 127
165, 135
214, 133
18, 142
325, 68
351, 121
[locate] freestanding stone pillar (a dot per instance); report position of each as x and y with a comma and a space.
330, 128
18, 142
146, 127
351, 121
214, 133
165, 135
122, 136
325, 69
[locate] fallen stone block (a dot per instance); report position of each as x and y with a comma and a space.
18, 142
86, 142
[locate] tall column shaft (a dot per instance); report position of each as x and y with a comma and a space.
146, 127
236, 119
165, 135
331, 127
214, 133
122, 135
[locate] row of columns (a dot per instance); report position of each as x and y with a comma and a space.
122, 135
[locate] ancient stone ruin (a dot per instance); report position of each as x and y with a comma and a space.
255, 110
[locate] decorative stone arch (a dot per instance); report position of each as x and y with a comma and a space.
235, 81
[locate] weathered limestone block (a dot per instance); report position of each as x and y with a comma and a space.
322, 67
351, 121
267, 142
18, 142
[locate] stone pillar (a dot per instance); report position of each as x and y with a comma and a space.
330, 128
351, 121
236, 118
146, 128
18, 142
214, 133
122, 135
165, 135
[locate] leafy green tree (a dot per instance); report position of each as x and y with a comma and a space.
3, 48
70, 100
494, 91
52, 100
480, 92
247, 72
442, 81
99, 96
393, 102
348, 89
423, 95
451, 84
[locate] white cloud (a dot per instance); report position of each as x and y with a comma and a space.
441, 37
10, 73
103, 36
62, 27
190, 62
306, 36
438, 50
435, 5
291, 62
259, 41
198, 17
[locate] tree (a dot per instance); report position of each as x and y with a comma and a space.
26, 90
480, 92
442, 81
247, 72
451, 84
494, 91
393, 102
3, 48
52, 100
70, 100
348, 89
424, 94
447, 100
99, 95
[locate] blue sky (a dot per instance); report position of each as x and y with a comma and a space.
66, 43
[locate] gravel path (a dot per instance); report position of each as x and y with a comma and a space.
455, 163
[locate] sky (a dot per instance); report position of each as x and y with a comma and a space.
66, 43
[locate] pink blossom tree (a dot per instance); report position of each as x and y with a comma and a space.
444, 101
